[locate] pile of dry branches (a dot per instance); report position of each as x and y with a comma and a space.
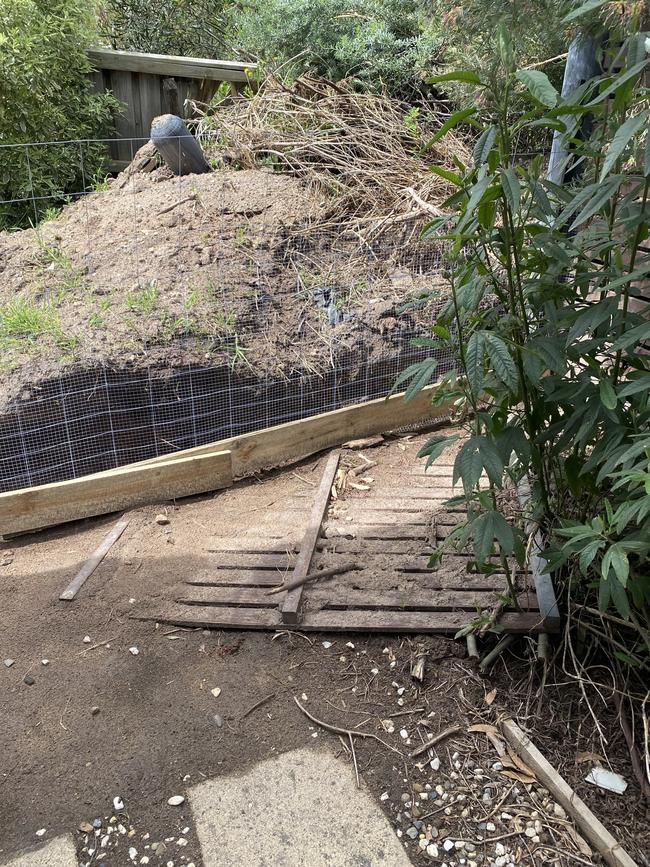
366, 152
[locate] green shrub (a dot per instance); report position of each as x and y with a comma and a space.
376, 43
46, 98
196, 28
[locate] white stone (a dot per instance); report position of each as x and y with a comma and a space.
41, 832
403, 733
9, 662
432, 850
349, 644
118, 803
383, 796
448, 845
45, 661
559, 811
134, 651
133, 853
327, 644
175, 800
86, 639
500, 849
216, 692
434, 764
181, 841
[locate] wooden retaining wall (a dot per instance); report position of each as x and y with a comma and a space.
151, 84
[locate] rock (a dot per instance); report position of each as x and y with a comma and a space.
218, 720
134, 651
403, 733
388, 726
490, 826
559, 811
181, 841
144, 859
432, 850
326, 644
86, 639
97, 823
383, 796
161, 519
216, 692
94, 710
500, 849
29, 680
41, 832
45, 661
118, 803
86, 827
133, 853
448, 845
159, 848
412, 833
175, 800
9, 662
434, 764
530, 832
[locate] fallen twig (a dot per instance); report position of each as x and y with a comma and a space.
171, 207
322, 573
445, 733
337, 730
259, 704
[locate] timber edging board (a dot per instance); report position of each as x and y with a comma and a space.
58, 502
183, 474
171, 65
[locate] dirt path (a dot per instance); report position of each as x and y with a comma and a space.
159, 729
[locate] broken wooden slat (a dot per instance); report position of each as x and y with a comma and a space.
248, 596
237, 577
591, 827
409, 600
94, 560
55, 503
337, 621
250, 545
312, 533
244, 560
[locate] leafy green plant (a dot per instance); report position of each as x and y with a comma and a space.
46, 98
549, 331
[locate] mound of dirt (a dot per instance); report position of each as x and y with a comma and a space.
228, 265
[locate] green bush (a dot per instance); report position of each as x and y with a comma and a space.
46, 98
196, 28
375, 43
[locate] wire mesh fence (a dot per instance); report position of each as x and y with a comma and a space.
149, 312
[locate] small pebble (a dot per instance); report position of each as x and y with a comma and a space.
118, 803
448, 845
97, 823
86, 827
412, 833
559, 811
86, 639
45, 661
432, 850
133, 853
134, 651
181, 841
41, 831
94, 710
9, 662
175, 800
403, 733
434, 764
162, 519
29, 680
383, 796
326, 644
144, 859
216, 692
218, 720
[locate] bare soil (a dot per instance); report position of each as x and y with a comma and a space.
155, 732
158, 269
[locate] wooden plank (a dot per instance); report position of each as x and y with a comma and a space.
309, 539
170, 65
242, 560
237, 577
415, 532
289, 442
332, 599
47, 505
544, 586
250, 597
337, 621
251, 544
93, 561
121, 84
149, 89
407, 504
589, 825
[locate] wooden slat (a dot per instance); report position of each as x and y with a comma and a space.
374, 546
252, 597
338, 621
308, 543
415, 532
237, 577
170, 65
46, 505
380, 504
409, 600
149, 87
242, 560
251, 545
125, 120
93, 561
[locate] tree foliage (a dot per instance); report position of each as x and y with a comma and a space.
549, 329
46, 97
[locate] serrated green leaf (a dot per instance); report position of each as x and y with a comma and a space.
624, 134
502, 362
452, 121
434, 447
607, 394
619, 598
589, 6
588, 554
539, 86
503, 532
618, 82
492, 461
634, 386
448, 175
419, 373
484, 145
465, 75
468, 465
511, 188
474, 355
620, 563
